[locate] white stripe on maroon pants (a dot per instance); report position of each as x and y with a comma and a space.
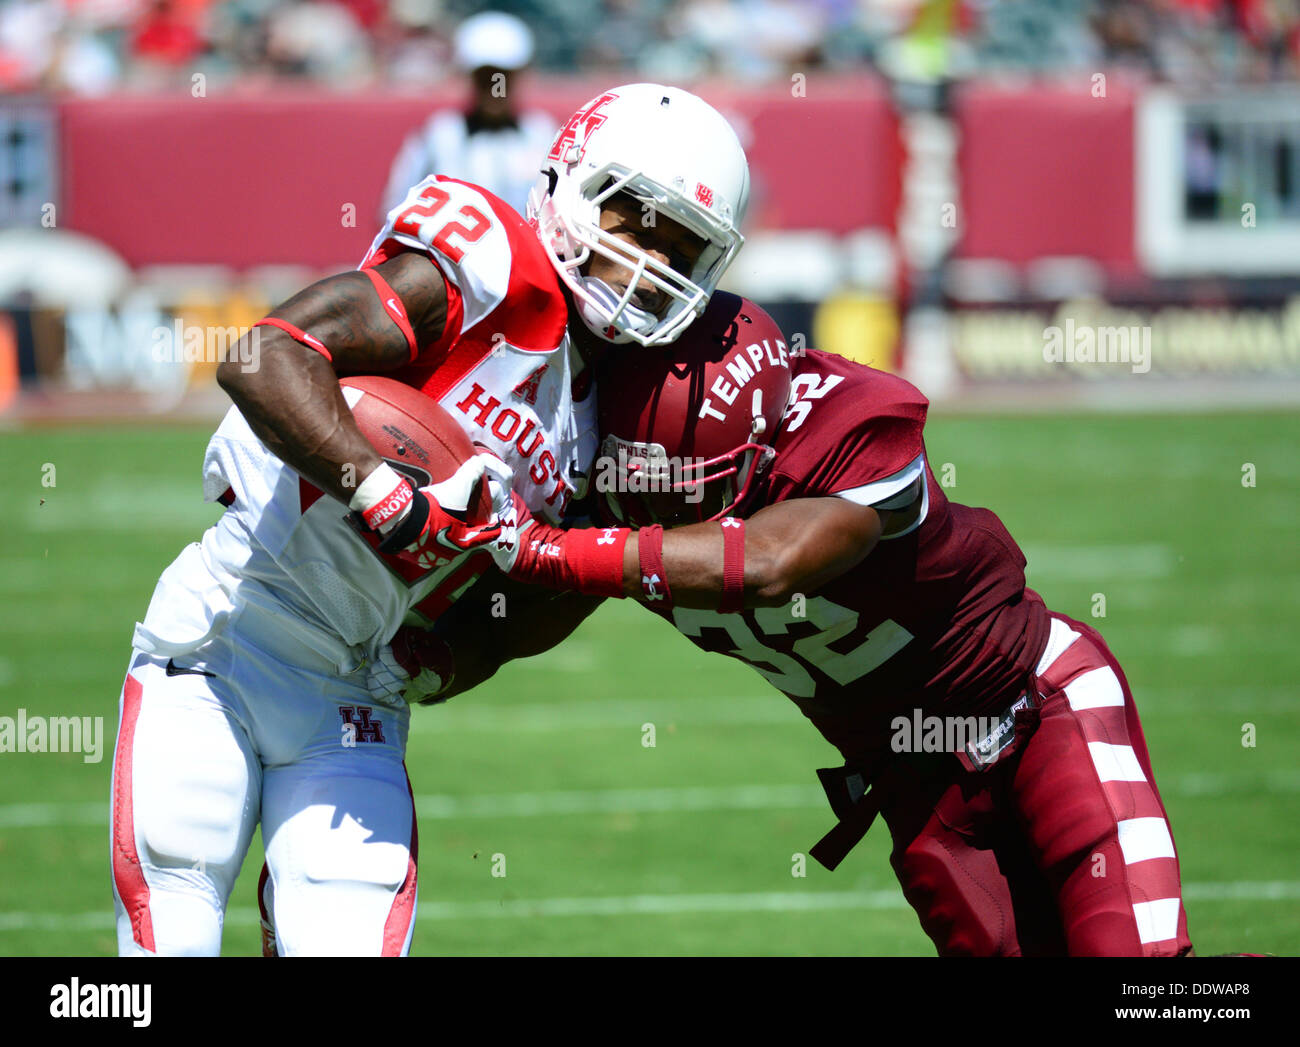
1097, 700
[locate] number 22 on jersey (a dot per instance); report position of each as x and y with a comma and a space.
432, 199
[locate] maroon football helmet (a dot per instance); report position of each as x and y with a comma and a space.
686, 429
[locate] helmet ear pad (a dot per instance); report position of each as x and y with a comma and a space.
687, 430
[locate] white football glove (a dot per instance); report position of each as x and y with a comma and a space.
414, 667
507, 508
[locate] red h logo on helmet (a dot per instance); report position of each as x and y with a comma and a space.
566, 148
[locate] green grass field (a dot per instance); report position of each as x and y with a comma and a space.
688, 847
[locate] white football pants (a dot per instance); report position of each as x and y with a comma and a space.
273, 734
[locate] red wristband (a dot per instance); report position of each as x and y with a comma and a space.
584, 560
654, 579
297, 334
733, 566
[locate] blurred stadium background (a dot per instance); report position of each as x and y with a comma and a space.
938, 184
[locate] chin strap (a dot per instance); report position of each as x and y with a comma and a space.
632, 318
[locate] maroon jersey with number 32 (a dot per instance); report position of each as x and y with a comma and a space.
936, 617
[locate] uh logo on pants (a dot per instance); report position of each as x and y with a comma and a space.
358, 726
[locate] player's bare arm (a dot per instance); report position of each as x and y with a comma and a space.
499, 620
728, 565
530, 621
792, 547
292, 400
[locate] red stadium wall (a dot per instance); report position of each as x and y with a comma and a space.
264, 179
1047, 171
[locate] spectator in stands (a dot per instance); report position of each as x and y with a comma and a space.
494, 143
414, 50
754, 40
319, 40
167, 34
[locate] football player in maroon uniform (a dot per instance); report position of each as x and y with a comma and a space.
998, 739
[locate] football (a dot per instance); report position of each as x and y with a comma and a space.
412, 431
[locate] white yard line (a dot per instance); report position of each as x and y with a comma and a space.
43, 815
1210, 698
1214, 783
767, 707
441, 807
610, 801
628, 714
647, 905
1084, 562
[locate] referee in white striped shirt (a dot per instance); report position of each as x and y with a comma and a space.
492, 143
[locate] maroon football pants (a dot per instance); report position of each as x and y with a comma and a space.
1063, 848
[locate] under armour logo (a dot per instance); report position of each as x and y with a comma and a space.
648, 583
362, 729
608, 538
730, 521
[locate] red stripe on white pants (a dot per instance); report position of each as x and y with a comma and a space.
128, 876
398, 926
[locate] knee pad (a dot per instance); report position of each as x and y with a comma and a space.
344, 870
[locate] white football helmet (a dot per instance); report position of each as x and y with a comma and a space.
671, 151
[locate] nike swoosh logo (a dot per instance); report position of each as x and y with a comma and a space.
175, 670
393, 307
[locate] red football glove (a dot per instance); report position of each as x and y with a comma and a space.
431, 526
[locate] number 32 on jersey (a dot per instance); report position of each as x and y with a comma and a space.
789, 672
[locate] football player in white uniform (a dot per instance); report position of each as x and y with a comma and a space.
264, 643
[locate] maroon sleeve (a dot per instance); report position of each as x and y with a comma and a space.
848, 425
